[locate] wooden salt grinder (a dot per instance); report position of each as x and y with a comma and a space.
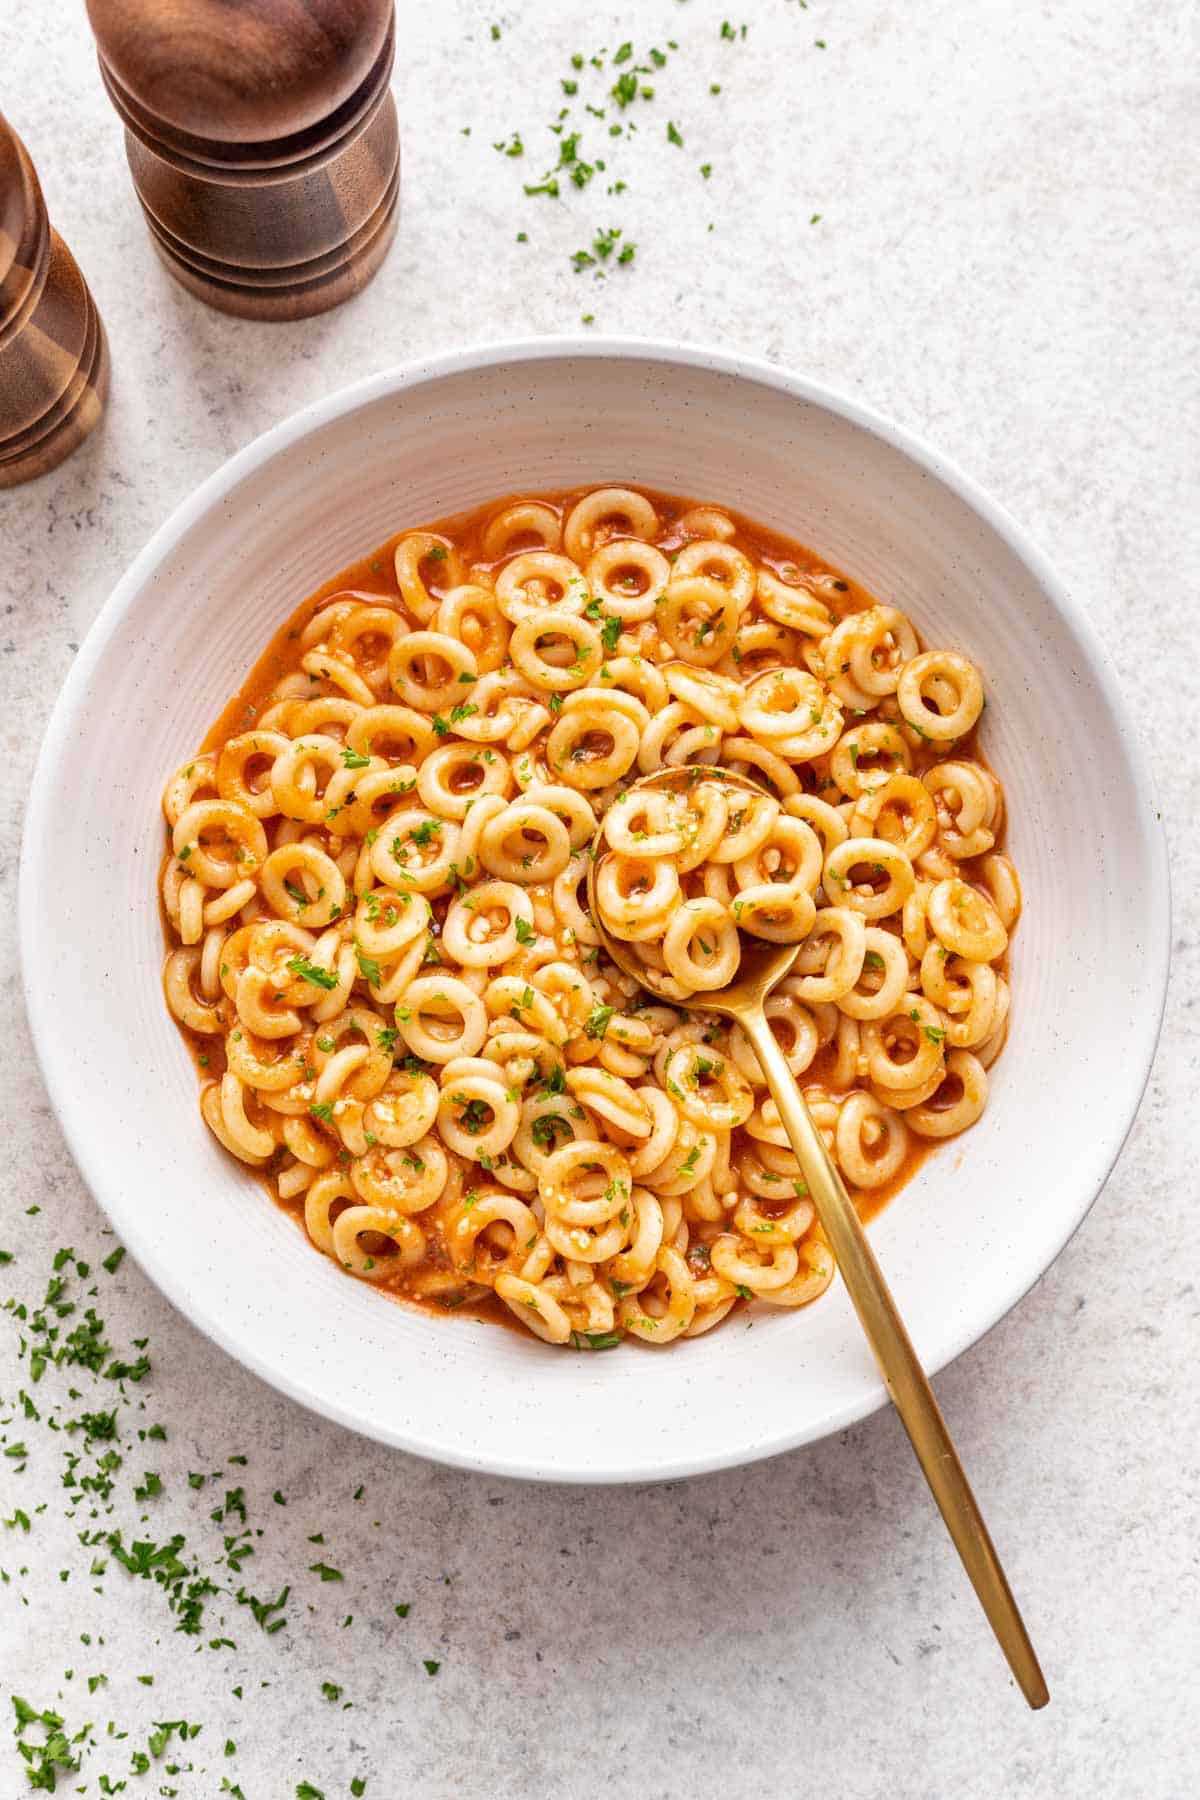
53, 359
262, 140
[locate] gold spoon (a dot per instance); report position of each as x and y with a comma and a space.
762, 966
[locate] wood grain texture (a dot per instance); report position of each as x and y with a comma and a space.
53, 357
262, 140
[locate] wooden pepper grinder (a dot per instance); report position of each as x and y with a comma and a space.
53, 359
263, 142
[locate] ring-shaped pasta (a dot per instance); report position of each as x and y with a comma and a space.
580, 637
368, 1073
562, 1196
871, 1141
720, 562
246, 1054
877, 858
539, 579
743, 1264
403, 1111
471, 615
426, 669
1003, 886
508, 530
675, 1306
301, 773
525, 843
967, 992
537, 1310
568, 899
749, 826
441, 1018
237, 757
776, 911
303, 885
743, 755
792, 713
593, 746
831, 960
705, 821
708, 1088
793, 605
698, 617
399, 733
415, 851
966, 922
628, 578
464, 1123
674, 736
537, 1048
631, 891
422, 557
958, 695
777, 1228
931, 1119
365, 635
328, 665
381, 1221
915, 1026
612, 1098
901, 811
713, 698
471, 933
472, 1220
455, 776
885, 975
789, 852
634, 675
178, 985
810, 1281
196, 779
964, 796
646, 823
707, 522
404, 1181
630, 515
386, 922
868, 756
700, 947
869, 650
240, 845
634, 1266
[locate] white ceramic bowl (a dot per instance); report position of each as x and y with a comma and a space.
960, 1245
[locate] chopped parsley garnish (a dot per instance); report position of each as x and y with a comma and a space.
598, 1020
322, 978
596, 1340
368, 967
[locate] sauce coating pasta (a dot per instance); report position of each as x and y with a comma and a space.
380, 950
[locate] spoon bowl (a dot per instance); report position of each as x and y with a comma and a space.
762, 967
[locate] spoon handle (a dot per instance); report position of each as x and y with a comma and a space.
906, 1380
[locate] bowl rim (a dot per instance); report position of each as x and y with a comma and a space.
54, 1062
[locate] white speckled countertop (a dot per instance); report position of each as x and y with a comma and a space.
1006, 241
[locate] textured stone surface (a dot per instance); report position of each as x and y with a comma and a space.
1003, 262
